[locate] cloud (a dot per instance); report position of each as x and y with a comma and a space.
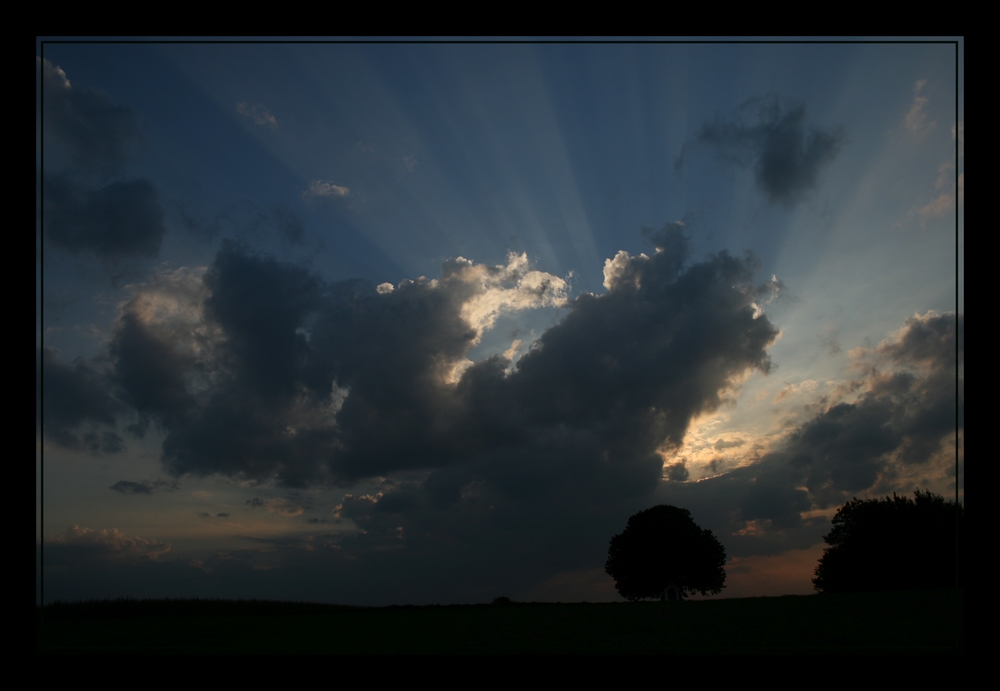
504, 474
807, 386
786, 157
121, 220
902, 419
677, 472
257, 113
88, 141
622, 374
159, 336
286, 507
489, 291
945, 201
916, 121
303, 382
730, 444
79, 411
86, 544
144, 487
939, 206
84, 126
890, 429
256, 359
257, 369
324, 188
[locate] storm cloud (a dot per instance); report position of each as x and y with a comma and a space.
785, 155
306, 382
76, 409
121, 220
88, 205
258, 369
896, 428
84, 128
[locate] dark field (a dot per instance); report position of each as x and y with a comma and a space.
896, 622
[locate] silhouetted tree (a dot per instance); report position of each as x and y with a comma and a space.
891, 544
663, 546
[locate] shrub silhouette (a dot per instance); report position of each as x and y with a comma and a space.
663, 546
891, 544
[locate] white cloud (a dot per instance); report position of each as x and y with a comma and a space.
53, 73
916, 118
171, 304
325, 188
169, 297
938, 207
945, 201
808, 386
258, 113
512, 351
490, 291
617, 270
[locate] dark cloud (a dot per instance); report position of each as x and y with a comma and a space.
262, 371
121, 220
785, 155
889, 430
677, 472
301, 382
149, 371
312, 382
144, 487
903, 418
94, 133
78, 407
88, 142
723, 444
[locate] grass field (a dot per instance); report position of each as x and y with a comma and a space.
894, 622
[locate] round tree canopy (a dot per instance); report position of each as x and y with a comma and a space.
892, 544
660, 547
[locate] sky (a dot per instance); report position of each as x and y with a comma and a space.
383, 323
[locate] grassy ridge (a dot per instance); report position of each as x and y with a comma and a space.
904, 622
